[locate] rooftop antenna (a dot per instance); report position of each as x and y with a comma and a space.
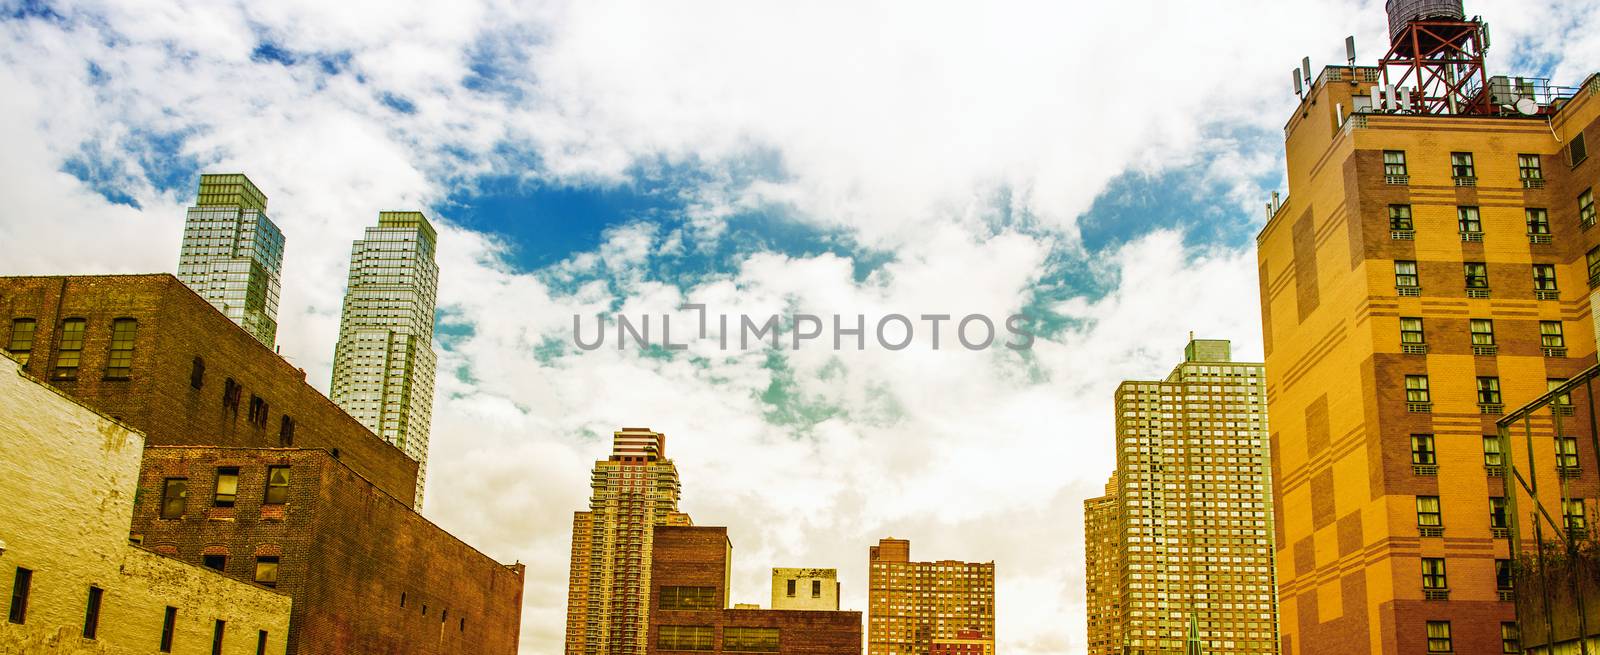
1299, 90
1350, 49
1305, 65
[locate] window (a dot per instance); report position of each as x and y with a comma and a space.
1428, 514
267, 570
1411, 331
1488, 391
1439, 637
1433, 576
1578, 150
1497, 513
1550, 335
169, 625
258, 411
750, 640
686, 637
261, 642
1417, 389
1572, 514
174, 495
197, 373
790, 591
1400, 217
1586, 208
1482, 331
1538, 221
21, 586
91, 613
286, 431
1469, 220
227, 486
1567, 453
71, 351
1405, 274
1510, 638
119, 363
1394, 162
215, 562
21, 345
816, 588
216, 636
230, 394
277, 485
1544, 277
1503, 580
1477, 274
1530, 167
1561, 400
1461, 165
689, 598
1491, 451
1422, 453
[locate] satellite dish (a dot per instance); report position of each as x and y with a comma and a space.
1527, 107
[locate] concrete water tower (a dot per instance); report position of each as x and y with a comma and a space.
1437, 53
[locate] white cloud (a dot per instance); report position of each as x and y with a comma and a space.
911, 127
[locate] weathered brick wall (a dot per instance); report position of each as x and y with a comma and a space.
175, 327
349, 554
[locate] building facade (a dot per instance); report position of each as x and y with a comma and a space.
805, 589
912, 604
148, 351
608, 595
69, 476
690, 569
383, 364
1102, 571
1427, 271
232, 254
1192, 511
966, 642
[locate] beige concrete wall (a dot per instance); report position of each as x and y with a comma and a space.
68, 477
802, 598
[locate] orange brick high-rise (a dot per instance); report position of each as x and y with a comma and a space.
1432, 266
912, 605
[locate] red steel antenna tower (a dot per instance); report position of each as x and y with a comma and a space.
1438, 54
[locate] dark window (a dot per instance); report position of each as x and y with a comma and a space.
1439, 637
227, 486
1488, 391
21, 585
1578, 150
1550, 335
1394, 162
1411, 331
1405, 274
1477, 275
230, 394
1433, 576
70, 353
1538, 221
91, 613
1482, 330
689, 598
174, 496
1400, 217
286, 431
1422, 453
1544, 277
1461, 165
258, 411
687, 637
402, 599
169, 625
1417, 389
218, 562
267, 570
216, 636
21, 346
1510, 638
790, 590
197, 373
1566, 452
816, 588
1530, 167
119, 362
1503, 579
277, 485
750, 640
1497, 512
1469, 220
1428, 513
261, 642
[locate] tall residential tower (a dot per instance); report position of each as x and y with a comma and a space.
1190, 517
913, 605
383, 365
233, 254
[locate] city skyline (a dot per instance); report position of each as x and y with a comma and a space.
574, 161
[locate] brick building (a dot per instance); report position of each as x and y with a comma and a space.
966, 642
911, 604
1102, 571
690, 569
367, 573
149, 351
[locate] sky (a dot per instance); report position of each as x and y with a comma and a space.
1103, 167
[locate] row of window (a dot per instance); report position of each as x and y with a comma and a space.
22, 589
1481, 332
1475, 275
69, 349
1430, 518
1419, 396
700, 638
1464, 167
816, 588
1424, 456
175, 491
233, 392
1439, 640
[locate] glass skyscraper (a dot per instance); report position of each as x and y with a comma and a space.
383, 365
233, 254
